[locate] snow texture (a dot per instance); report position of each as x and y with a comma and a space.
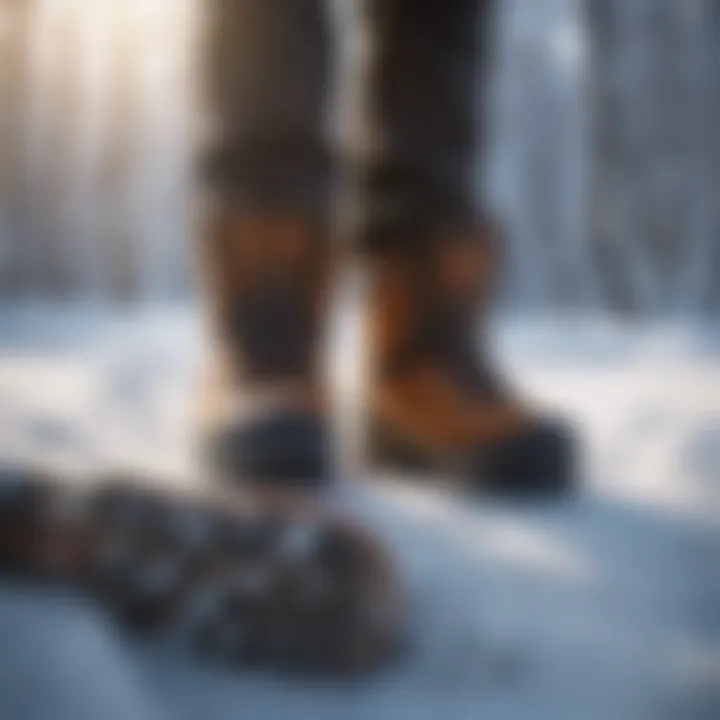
605, 607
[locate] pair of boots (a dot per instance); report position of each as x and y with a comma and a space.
280, 579
432, 402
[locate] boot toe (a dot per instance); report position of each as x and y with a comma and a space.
540, 462
287, 449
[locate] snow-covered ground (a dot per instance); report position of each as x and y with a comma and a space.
607, 607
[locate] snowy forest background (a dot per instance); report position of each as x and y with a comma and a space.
605, 151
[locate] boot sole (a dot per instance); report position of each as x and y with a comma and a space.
287, 450
491, 471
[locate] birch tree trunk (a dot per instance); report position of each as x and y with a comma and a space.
14, 30
94, 138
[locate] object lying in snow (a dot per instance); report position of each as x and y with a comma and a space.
267, 580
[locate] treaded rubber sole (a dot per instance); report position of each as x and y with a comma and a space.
263, 583
288, 449
537, 464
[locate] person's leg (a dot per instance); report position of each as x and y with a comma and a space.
433, 399
413, 149
265, 176
265, 78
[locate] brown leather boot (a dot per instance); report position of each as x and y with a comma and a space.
261, 409
433, 402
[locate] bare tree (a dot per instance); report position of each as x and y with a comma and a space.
654, 171
14, 32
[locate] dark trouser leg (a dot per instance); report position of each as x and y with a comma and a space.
414, 150
263, 242
265, 75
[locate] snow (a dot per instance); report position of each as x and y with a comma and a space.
604, 607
